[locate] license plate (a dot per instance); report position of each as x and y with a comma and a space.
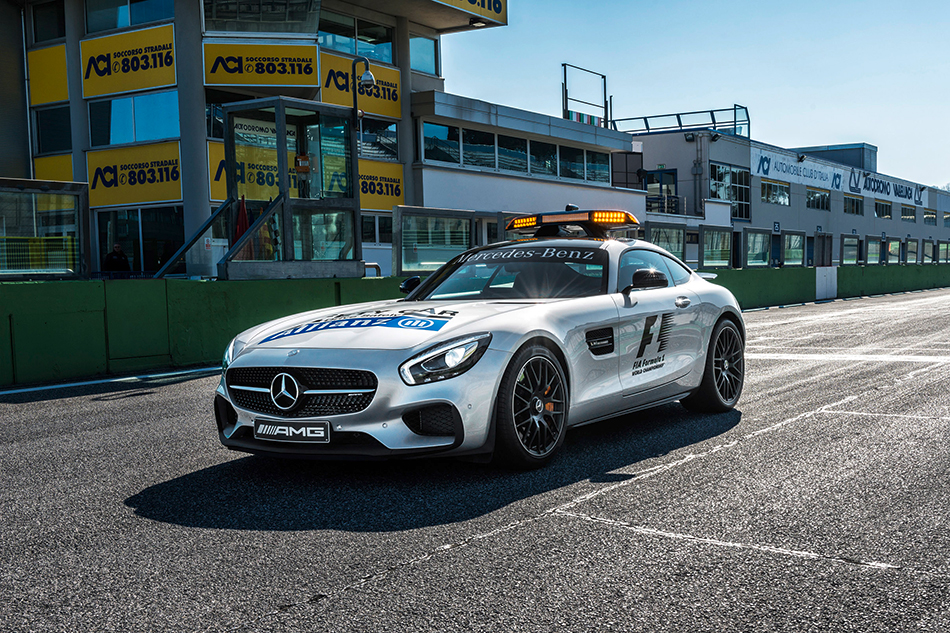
312, 432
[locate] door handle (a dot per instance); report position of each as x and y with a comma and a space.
682, 302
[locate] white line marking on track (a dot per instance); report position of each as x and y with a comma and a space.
732, 544
857, 358
888, 415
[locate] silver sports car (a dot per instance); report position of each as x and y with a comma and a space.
498, 352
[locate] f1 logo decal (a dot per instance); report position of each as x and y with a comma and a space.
662, 337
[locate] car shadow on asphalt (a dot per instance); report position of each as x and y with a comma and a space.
252, 493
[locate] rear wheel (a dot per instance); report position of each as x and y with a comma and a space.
531, 409
724, 373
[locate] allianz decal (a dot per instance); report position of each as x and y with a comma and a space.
427, 323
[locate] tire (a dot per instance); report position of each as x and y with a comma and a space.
724, 373
531, 409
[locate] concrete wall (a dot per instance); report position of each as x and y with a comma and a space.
14, 142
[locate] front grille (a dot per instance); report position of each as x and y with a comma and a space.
438, 419
309, 379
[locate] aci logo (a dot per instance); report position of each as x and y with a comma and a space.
102, 64
854, 183
765, 164
230, 65
836, 182
108, 176
340, 80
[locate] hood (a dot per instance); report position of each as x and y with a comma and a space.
386, 325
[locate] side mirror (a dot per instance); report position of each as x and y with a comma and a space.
409, 285
645, 278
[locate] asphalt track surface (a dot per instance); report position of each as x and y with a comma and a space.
820, 504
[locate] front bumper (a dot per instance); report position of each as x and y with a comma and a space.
390, 425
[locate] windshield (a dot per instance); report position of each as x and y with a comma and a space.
524, 272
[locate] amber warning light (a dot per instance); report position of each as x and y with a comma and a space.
613, 219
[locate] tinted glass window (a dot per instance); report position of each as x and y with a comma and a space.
374, 41
49, 21
572, 162
543, 158
254, 16
478, 148
535, 271
422, 55
337, 32
632, 261
53, 130
441, 142
679, 273
512, 153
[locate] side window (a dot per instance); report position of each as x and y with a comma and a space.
634, 260
680, 274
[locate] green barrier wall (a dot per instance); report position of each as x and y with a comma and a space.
856, 281
757, 288
52, 331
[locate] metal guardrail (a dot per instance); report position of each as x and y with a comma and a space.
734, 120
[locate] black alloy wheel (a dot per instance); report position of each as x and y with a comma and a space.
531, 412
724, 372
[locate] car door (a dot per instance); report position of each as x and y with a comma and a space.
659, 329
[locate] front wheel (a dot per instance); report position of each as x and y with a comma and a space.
531, 409
724, 373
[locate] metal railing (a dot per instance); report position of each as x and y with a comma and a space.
734, 120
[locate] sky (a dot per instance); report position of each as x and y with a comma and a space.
810, 73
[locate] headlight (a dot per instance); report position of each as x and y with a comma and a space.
230, 352
446, 360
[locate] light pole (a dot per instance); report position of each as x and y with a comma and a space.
366, 80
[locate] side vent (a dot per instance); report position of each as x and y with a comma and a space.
601, 341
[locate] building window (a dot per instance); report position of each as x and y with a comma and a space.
793, 249
882, 209
930, 217
850, 247
543, 158
423, 55
672, 239
148, 117
928, 253
946, 220
355, 37
893, 251
53, 130
818, 199
854, 205
912, 246
378, 139
273, 16
148, 237
49, 21
512, 153
727, 182
757, 248
873, 255
598, 167
717, 248
102, 15
572, 162
478, 148
776, 193
908, 214
377, 229
943, 252
441, 142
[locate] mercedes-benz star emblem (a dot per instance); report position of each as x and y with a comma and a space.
284, 391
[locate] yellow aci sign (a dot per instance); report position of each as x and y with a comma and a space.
336, 85
256, 172
494, 10
380, 185
134, 175
137, 60
261, 65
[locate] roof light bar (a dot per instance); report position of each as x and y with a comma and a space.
601, 218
